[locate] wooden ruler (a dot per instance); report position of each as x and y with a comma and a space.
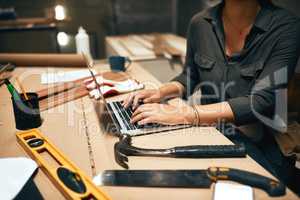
65, 175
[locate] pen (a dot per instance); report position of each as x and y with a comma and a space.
14, 93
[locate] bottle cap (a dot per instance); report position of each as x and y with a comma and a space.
81, 30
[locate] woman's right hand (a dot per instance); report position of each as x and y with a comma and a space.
146, 96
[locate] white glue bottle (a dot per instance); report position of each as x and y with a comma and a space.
83, 42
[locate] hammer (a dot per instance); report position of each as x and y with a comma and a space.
123, 149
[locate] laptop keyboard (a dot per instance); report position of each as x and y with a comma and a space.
125, 114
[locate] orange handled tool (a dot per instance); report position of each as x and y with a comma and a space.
68, 178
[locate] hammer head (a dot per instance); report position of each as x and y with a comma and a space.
120, 148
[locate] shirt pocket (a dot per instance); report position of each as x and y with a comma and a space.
203, 61
251, 71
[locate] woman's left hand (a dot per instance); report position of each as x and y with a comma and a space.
163, 114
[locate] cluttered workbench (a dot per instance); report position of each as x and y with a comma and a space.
76, 129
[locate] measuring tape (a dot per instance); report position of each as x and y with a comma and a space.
68, 178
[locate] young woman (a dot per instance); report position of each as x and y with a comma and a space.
238, 54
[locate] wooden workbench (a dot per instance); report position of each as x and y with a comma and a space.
68, 126
146, 46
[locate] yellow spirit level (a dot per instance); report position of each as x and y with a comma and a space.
68, 178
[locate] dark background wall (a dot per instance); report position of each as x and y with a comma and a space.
94, 15
105, 17
140, 16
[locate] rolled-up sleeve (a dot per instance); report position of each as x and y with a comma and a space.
189, 77
278, 70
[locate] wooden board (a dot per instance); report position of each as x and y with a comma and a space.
147, 46
43, 59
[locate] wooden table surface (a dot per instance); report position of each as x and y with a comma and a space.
68, 126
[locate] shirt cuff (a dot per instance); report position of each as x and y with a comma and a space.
182, 80
242, 111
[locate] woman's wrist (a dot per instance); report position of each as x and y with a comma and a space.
190, 116
171, 90
197, 115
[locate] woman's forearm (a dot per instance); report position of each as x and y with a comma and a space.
212, 113
208, 114
171, 90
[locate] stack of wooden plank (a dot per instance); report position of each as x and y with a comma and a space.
147, 46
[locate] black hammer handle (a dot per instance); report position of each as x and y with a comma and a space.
209, 151
272, 187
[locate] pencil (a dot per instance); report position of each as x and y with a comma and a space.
22, 88
4, 67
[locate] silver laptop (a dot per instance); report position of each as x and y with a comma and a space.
121, 116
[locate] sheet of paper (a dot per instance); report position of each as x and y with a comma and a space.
62, 76
14, 174
120, 88
226, 191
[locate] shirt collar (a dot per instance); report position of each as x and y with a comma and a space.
213, 13
262, 21
264, 17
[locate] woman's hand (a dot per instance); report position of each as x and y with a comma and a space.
166, 91
146, 96
163, 114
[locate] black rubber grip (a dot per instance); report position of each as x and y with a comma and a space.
210, 151
272, 187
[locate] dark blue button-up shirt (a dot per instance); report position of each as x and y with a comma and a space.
248, 80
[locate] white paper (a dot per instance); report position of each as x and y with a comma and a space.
226, 191
120, 87
14, 174
62, 76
